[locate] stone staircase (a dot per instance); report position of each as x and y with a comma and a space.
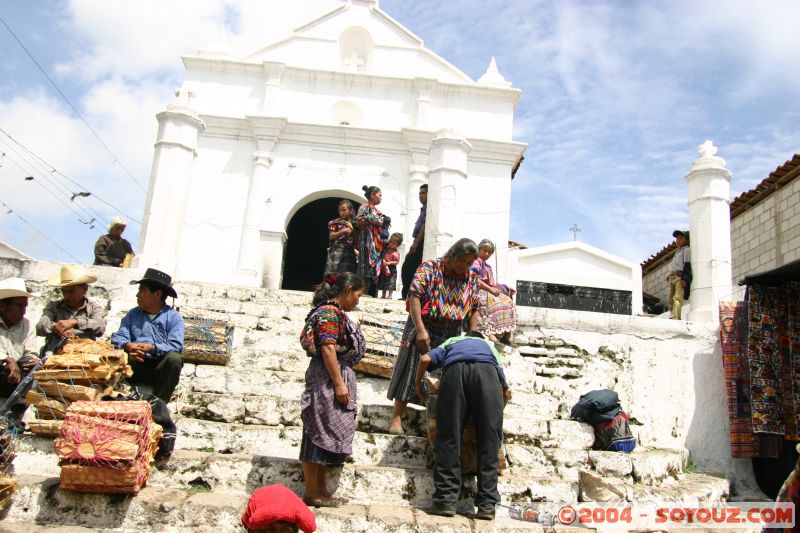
239, 428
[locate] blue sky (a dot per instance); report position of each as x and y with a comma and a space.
616, 98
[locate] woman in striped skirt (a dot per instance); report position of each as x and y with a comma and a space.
443, 295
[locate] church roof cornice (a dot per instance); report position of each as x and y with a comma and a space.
258, 69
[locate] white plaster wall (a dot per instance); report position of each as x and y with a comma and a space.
575, 263
669, 378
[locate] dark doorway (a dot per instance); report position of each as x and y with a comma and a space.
307, 244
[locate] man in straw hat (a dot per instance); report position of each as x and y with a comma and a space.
680, 274
17, 341
74, 315
111, 249
152, 334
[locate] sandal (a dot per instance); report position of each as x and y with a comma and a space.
331, 502
316, 503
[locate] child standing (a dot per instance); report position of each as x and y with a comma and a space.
387, 282
341, 249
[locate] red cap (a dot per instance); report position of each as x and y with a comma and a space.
274, 503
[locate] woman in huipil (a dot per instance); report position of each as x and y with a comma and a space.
497, 313
341, 247
442, 297
372, 225
328, 404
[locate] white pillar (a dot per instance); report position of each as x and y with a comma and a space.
176, 144
417, 175
249, 245
272, 72
272, 248
710, 233
425, 87
446, 181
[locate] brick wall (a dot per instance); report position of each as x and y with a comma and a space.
768, 234
655, 282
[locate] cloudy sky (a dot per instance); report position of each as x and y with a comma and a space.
617, 95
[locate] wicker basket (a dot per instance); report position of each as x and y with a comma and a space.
375, 365
207, 341
8, 486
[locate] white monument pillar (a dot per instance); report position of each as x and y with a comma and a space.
446, 181
176, 144
710, 233
272, 73
249, 245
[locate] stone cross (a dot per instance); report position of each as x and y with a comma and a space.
575, 230
707, 149
353, 62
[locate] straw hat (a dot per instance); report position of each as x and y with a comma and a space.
13, 288
116, 221
71, 275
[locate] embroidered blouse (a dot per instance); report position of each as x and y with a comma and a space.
338, 225
448, 297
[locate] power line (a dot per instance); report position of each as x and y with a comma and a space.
54, 243
54, 195
54, 171
89, 215
78, 113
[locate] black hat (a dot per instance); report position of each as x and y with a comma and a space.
681, 232
156, 277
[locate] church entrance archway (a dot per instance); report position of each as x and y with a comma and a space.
307, 243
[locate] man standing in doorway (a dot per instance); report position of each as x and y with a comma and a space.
680, 274
414, 256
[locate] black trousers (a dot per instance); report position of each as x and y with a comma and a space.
163, 375
7, 388
410, 265
468, 389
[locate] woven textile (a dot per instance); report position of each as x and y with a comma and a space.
733, 339
446, 297
370, 245
774, 355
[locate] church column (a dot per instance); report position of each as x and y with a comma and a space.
272, 247
417, 175
249, 245
273, 73
425, 87
176, 145
446, 180
710, 233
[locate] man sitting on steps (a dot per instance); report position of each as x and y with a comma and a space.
152, 334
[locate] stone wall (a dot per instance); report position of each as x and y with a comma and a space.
668, 374
655, 281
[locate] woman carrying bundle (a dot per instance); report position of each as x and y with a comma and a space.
341, 250
371, 224
328, 405
442, 296
497, 313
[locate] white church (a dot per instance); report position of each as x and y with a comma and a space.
252, 158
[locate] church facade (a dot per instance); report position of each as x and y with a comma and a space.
253, 156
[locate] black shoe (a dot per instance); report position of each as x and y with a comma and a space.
485, 514
441, 510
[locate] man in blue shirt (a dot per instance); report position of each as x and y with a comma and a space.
152, 335
472, 383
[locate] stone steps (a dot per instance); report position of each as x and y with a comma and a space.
247, 471
41, 506
40, 500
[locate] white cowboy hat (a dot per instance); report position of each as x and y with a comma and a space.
71, 275
13, 288
116, 221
